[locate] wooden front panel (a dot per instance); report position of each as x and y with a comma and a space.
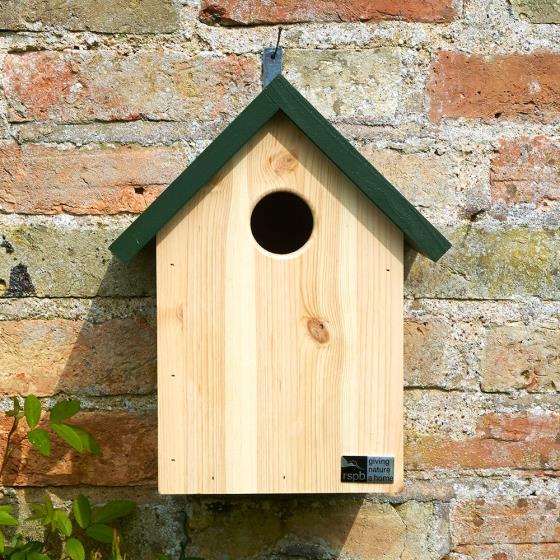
271, 367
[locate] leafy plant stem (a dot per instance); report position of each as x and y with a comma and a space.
8, 449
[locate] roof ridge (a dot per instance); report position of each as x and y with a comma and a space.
280, 95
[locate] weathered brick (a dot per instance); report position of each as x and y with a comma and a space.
128, 442
143, 133
427, 180
521, 357
348, 84
305, 527
530, 520
424, 353
255, 12
45, 357
427, 530
118, 16
526, 171
520, 441
548, 551
537, 11
266, 525
36, 179
500, 86
65, 256
103, 85
505, 262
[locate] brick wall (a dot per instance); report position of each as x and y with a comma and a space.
458, 103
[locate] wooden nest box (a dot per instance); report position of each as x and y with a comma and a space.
280, 309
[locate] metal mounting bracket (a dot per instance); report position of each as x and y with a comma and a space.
271, 64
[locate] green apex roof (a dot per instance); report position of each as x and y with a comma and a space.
280, 95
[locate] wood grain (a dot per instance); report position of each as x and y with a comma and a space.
271, 367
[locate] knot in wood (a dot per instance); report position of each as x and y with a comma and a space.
318, 330
283, 162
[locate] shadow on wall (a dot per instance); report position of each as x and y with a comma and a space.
105, 355
97, 345
100, 350
288, 527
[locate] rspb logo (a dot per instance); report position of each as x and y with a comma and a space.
366, 469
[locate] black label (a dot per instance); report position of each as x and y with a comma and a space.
367, 469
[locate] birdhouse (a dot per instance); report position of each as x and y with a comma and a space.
279, 258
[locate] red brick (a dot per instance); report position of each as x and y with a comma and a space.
529, 520
548, 551
37, 179
103, 85
500, 86
46, 357
526, 171
128, 443
520, 441
254, 12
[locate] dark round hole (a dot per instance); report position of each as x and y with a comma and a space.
281, 222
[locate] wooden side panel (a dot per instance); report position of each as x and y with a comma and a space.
271, 367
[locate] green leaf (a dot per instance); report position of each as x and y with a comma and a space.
82, 511
17, 541
69, 435
88, 441
64, 410
39, 512
29, 546
7, 519
41, 440
32, 409
7, 509
75, 549
49, 510
62, 523
2, 542
36, 556
100, 533
113, 510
